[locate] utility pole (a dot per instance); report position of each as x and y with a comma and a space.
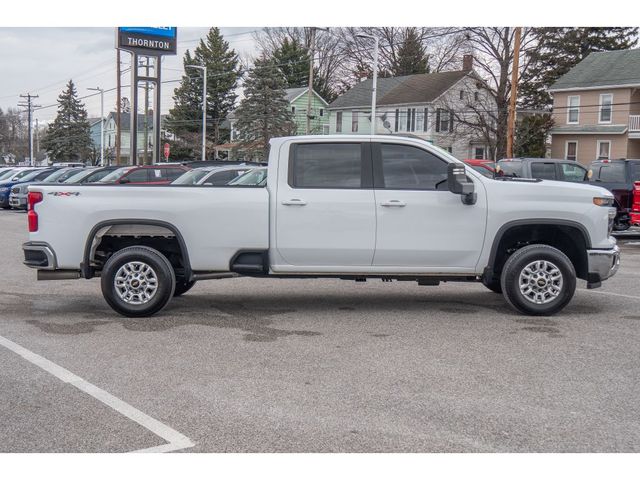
37, 138
204, 108
312, 53
118, 105
514, 92
30, 107
374, 86
98, 89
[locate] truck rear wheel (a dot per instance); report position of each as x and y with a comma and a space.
137, 281
538, 280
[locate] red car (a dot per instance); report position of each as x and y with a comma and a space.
635, 208
145, 174
485, 167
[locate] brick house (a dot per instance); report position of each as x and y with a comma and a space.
596, 108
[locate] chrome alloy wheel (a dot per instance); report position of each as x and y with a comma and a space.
540, 282
136, 283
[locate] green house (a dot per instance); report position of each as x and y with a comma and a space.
298, 102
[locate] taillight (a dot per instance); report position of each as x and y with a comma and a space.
32, 216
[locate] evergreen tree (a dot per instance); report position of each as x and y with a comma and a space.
223, 72
559, 49
411, 57
68, 138
293, 60
531, 136
264, 111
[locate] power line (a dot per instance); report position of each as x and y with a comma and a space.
30, 107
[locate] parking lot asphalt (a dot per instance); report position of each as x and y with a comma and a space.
271, 365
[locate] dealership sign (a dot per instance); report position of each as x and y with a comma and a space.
153, 41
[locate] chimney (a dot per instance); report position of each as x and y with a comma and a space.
467, 62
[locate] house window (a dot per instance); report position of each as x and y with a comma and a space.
397, 120
573, 110
444, 120
411, 120
603, 149
354, 122
461, 95
476, 96
606, 101
322, 112
571, 151
478, 153
338, 122
293, 109
426, 119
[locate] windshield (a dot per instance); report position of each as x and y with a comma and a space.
611, 173
257, 176
55, 175
191, 177
7, 174
77, 176
115, 175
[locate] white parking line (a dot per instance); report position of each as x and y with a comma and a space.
176, 440
609, 293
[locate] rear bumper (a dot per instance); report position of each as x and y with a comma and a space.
603, 264
39, 255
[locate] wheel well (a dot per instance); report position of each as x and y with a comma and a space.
568, 239
107, 239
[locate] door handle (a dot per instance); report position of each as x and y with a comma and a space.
393, 203
294, 201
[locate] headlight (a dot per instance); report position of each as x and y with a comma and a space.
603, 201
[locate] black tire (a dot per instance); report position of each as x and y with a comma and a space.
493, 285
161, 270
182, 287
515, 266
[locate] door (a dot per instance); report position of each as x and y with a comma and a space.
420, 223
325, 211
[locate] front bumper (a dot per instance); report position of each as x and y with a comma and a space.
18, 201
603, 264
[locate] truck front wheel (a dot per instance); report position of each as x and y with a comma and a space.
538, 280
137, 281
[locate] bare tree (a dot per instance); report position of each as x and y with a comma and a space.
493, 49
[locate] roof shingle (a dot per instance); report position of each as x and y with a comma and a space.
618, 67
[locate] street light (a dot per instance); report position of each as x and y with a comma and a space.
375, 79
204, 108
98, 89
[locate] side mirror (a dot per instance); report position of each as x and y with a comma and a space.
459, 183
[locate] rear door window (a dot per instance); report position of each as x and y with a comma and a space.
326, 165
172, 173
544, 170
222, 178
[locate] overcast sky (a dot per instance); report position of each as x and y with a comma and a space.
41, 61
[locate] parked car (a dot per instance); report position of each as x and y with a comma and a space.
618, 176
220, 163
8, 172
91, 174
341, 206
543, 169
212, 176
144, 174
254, 177
21, 177
18, 195
635, 207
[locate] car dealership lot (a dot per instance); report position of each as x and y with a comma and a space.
315, 365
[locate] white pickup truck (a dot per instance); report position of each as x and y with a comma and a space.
350, 207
